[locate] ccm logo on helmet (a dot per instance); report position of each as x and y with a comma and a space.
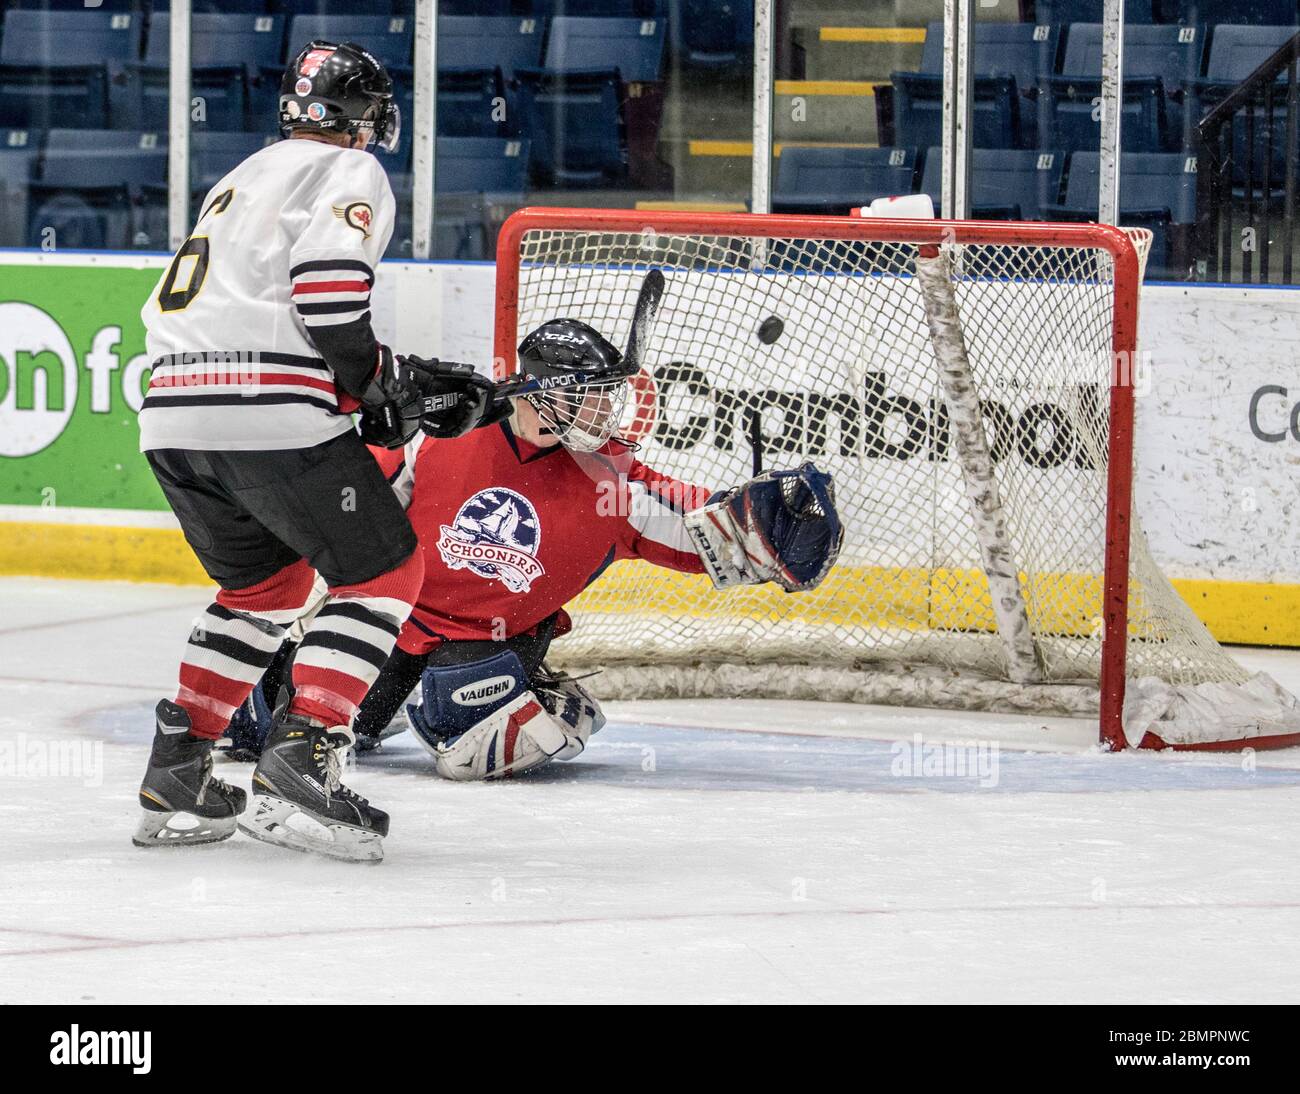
356, 215
484, 691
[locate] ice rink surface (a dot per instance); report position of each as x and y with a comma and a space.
703, 851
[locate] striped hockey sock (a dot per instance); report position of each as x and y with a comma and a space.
348, 642
226, 656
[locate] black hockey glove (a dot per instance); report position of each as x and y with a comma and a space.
456, 398
443, 398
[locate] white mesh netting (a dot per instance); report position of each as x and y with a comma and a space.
851, 381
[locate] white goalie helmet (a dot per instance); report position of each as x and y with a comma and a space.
585, 383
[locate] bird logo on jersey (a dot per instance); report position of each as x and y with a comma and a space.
358, 215
496, 534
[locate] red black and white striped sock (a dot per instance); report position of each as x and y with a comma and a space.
226, 656
349, 641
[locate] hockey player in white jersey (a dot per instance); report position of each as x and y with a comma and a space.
262, 347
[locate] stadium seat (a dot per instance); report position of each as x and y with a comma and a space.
214, 155
227, 53
716, 34
55, 66
19, 154
77, 5
468, 101
1157, 60
90, 190
573, 122
480, 42
1062, 12
640, 9
1010, 60
835, 180
475, 7
1235, 52
467, 165
1214, 12
635, 47
1156, 191
390, 38
1006, 184
342, 7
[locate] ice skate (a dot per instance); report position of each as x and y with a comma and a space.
299, 801
183, 803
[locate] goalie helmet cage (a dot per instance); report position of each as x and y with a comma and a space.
970, 385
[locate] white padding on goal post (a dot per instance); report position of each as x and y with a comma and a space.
1201, 713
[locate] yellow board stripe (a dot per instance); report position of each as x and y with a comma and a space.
746, 149
827, 87
1251, 613
97, 552
897, 35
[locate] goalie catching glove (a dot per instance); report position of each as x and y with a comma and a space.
781, 526
443, 398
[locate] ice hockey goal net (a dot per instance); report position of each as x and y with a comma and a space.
970, 385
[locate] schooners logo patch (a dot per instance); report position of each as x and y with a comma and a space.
356, 214
496, 534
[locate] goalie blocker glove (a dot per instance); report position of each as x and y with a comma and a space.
442, 398
781, 526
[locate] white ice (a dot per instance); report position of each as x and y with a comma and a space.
699, 851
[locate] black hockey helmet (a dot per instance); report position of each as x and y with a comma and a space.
339, 87
589, 378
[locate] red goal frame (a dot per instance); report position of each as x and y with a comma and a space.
1127, 286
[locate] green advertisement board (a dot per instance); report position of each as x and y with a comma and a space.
72, 376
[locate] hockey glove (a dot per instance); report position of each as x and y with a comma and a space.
781, 526
443, 398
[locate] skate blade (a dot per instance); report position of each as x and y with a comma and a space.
276, 821
177, 829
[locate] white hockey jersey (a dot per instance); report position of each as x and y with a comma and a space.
287, 241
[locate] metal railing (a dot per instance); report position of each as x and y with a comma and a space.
1246, 176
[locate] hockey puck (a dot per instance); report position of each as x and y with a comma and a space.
770, 329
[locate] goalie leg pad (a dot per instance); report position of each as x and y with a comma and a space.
523, 735
486, 720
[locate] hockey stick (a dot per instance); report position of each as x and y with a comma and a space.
644, 316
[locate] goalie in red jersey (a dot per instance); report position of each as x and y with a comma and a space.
517, 519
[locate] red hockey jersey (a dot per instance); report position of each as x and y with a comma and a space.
511, 532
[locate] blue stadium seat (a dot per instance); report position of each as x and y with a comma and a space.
389, 38
90, 189
1061, 12
19, 154
835, 180
1158, 60
1260, 13
214, 155
475, 7
635, 47
573, 122
342, 7
641, 9
467, 165
75, 5
227, 52
479, 42
468, 101
1006, 184
1235, 52
1010, 61
713, 33
1156, 191
56, 65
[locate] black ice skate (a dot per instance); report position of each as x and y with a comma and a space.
182, 801
300, 803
